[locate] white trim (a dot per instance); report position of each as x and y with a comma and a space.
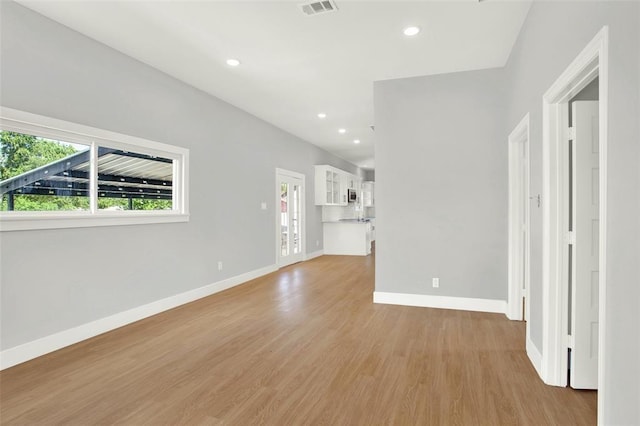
534, 356
24, 122
314, 254
603, 96
25, 352
85, 220
441, 302
93, 180
516, 269
591, 62
303, 209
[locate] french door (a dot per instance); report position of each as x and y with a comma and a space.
290, 217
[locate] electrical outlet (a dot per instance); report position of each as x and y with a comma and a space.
219, 265
263, 205
435, 282
317, 243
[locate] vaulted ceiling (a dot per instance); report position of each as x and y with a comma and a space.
294, 66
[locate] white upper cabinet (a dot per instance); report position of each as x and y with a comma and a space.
368, 194
351, 181
344, 187
331, 186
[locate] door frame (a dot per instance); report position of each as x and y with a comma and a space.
592, 62
516, 269
303, 218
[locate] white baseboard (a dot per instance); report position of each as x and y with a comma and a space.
25, 352
443, 302
534, 356
313, 254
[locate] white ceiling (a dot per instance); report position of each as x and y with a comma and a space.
295, 66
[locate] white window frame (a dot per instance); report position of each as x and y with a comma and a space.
38, 125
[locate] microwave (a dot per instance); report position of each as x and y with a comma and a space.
352, 195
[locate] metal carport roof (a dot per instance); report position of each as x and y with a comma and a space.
121, 174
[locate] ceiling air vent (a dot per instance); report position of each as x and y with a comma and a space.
318, 7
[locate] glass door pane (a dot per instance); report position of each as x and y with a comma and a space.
336, 188
284, 219
295, 219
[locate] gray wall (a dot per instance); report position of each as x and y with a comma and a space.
53, 280
553, 34
590, 93
441, 185
370, 175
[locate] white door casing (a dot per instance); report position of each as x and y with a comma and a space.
584, 265
519, 223
590, 63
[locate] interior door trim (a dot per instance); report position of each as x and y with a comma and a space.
591, 62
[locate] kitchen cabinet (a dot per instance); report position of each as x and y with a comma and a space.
330, 186
368, 194
354, 182
344, 189
347, 237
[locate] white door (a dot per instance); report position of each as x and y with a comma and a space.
290, 194
584, 265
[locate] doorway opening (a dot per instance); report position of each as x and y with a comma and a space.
519, 223
574, 223
290, 217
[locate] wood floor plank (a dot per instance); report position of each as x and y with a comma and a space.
303, 345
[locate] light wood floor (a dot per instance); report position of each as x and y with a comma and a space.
304, 345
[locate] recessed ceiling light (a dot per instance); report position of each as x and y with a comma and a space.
411, 31
342, 131
233, 62
356, 141
322, 115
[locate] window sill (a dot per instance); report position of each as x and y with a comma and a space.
45, 220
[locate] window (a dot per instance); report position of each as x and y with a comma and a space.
55, 174
34, 174
134, 181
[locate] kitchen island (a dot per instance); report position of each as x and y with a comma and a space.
347, 237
